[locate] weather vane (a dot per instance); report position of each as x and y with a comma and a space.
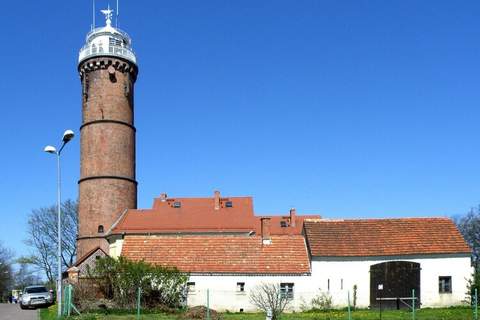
108, 15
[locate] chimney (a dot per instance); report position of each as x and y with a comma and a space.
293, 216
266, 239
163, 197
216, 199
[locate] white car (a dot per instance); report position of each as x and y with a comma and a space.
36, 296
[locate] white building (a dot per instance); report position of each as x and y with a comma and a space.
427, 255
227, 251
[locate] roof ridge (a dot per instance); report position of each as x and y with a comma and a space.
378, 219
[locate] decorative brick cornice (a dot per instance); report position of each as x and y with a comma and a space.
103, 62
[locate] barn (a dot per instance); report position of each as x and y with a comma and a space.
385, 259
228, 250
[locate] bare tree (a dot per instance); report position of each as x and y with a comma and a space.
269, 297
469, 226
6, 275
42, 237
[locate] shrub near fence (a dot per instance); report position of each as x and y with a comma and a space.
118, 281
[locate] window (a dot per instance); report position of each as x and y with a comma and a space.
190, 287
177, 204
240, 286
114, 42
445, 284
341, 284
287, 290
328, 284
283, 224
229, 204
100, 229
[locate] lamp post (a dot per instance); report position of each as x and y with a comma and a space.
67, 136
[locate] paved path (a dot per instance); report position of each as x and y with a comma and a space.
13, 312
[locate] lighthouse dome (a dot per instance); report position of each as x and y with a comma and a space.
107, 41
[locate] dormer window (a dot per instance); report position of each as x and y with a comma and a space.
229, 204
283, 224
177, 204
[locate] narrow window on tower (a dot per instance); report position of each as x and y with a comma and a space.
100, 229
85, 86
126, 85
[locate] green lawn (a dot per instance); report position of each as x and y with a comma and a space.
423, 314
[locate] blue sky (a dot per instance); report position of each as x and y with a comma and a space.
341, 108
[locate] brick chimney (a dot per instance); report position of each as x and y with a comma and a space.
216, 199
266, 239
293, 216
163, 197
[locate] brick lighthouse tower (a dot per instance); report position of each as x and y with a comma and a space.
107, 186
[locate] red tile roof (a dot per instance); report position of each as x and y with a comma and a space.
384, 237
194, 215
197, 215
221, 254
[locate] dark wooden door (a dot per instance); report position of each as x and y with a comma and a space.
398, 279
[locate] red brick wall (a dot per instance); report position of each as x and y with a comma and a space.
107, 183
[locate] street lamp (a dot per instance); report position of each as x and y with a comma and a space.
67, 136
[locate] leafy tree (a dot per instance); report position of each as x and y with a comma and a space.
42, 237
269, 297
473, 283
121, 278
6, 275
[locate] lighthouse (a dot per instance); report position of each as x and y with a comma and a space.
107, 66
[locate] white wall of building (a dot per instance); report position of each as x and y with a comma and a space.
335, 276
356, 271
224, 294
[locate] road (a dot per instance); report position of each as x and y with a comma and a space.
13, 312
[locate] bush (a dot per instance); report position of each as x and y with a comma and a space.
120, 279
269, 298
322, 301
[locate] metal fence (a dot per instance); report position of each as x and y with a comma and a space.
213, 298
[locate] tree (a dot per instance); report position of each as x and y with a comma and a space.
269, 297
469, 227
473, 284
6, 276
119, 279
42, 237
24, 276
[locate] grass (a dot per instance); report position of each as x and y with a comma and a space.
422, 314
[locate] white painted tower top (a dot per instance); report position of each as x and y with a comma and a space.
107, 41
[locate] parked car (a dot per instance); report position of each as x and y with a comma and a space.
36, 296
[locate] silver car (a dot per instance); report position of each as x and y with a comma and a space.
35, 296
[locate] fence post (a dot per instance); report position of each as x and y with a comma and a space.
64, 299
138, 302
349, 311
413, 304
69, 305
208, 304
475, 311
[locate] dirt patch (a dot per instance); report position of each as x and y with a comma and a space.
200, 312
